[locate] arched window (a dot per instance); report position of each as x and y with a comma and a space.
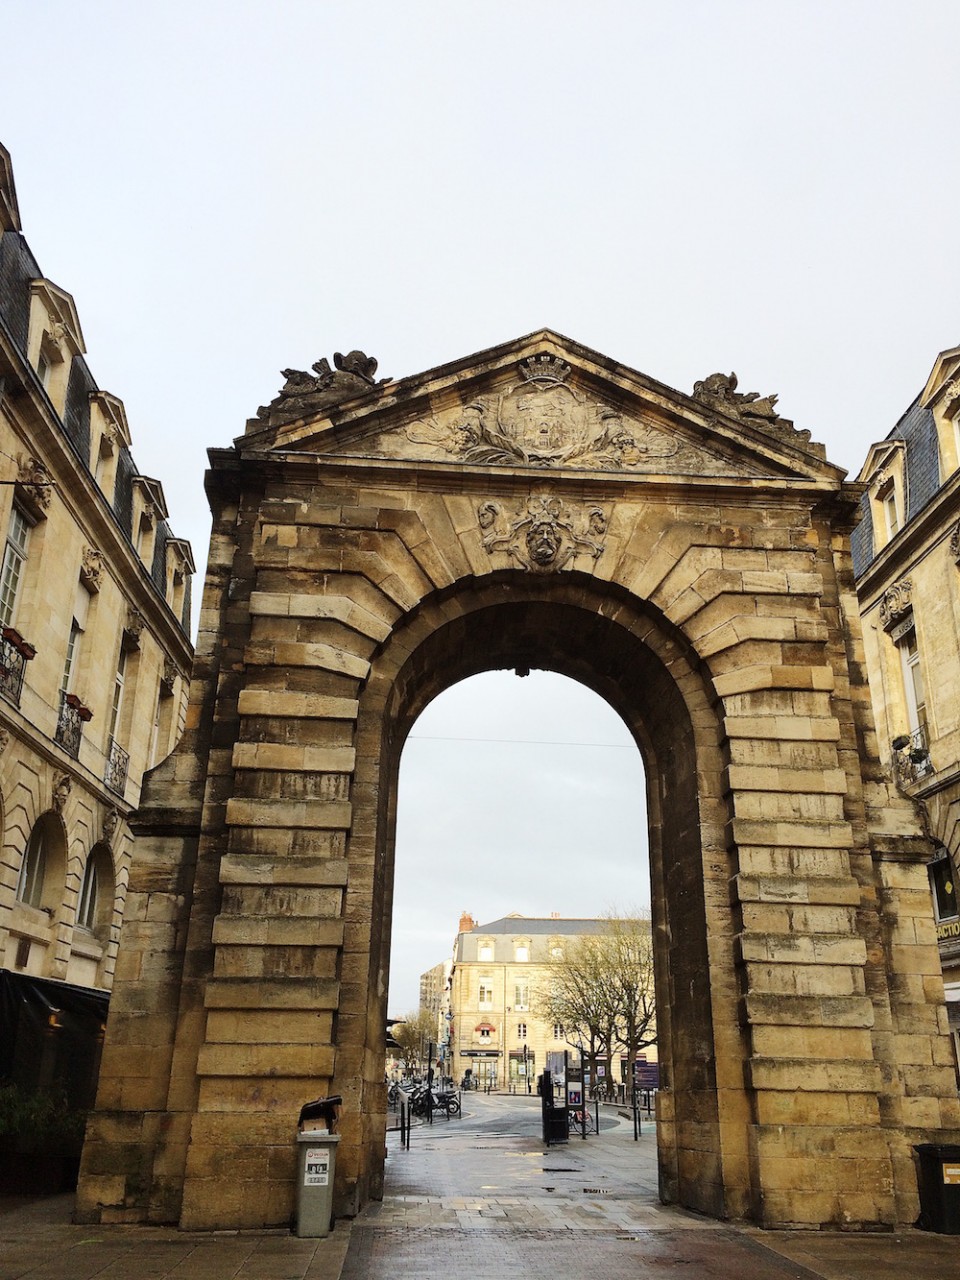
89, 893
33, 868
95, 899
44, 864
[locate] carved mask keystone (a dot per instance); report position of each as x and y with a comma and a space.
544, 535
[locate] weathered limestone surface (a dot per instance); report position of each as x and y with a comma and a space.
536, 505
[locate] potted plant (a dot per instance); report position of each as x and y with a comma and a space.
40, 1140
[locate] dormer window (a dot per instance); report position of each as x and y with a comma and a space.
149, 508
54, 338
109, 434
941, 396
884, 473
179, 566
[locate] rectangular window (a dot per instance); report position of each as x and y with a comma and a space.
913, 685
485, 998
891, 514
522, 953
521, 999
117, 702
73, 649
87, 903
558, 1031
14, 559
521, 1031
485, 952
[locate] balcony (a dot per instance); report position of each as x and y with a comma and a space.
70, 722
15, 653
911, 757
118, 762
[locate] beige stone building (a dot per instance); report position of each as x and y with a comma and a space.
94, 615
499, 1030
906, 554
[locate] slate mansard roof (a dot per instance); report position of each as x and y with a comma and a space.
18, 267
918, 431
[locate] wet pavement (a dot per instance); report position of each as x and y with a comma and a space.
479, 1198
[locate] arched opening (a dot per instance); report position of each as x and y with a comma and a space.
515, 795
644, 672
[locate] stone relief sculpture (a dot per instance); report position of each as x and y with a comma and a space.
543, 535
543, 422
304, 394
91, 569
897, 601
34, 484
61, 791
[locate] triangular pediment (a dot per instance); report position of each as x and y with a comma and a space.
545, 403
943, 377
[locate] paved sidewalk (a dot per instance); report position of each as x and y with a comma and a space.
480, 1198
38, 1240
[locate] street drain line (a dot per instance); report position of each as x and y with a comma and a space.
596, 1191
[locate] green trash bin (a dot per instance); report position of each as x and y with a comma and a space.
939, 1187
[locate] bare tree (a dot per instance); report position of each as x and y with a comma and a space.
601, 989
413, 1034
631, 939
581, 997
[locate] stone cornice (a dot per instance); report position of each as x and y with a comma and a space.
270, 464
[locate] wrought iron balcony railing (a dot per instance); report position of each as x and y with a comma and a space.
70, 722
911, 757
117, 764
13, 663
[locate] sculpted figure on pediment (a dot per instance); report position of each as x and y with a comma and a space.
719, 391
304, 394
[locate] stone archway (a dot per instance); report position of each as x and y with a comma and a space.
605, 642
686, 557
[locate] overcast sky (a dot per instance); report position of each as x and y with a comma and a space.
228, 189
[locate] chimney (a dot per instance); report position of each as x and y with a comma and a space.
554, 915
467, 923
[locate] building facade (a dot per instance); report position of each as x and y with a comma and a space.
499, 1029
95, 654
906, 555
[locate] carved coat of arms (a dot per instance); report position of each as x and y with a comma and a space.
544, 422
